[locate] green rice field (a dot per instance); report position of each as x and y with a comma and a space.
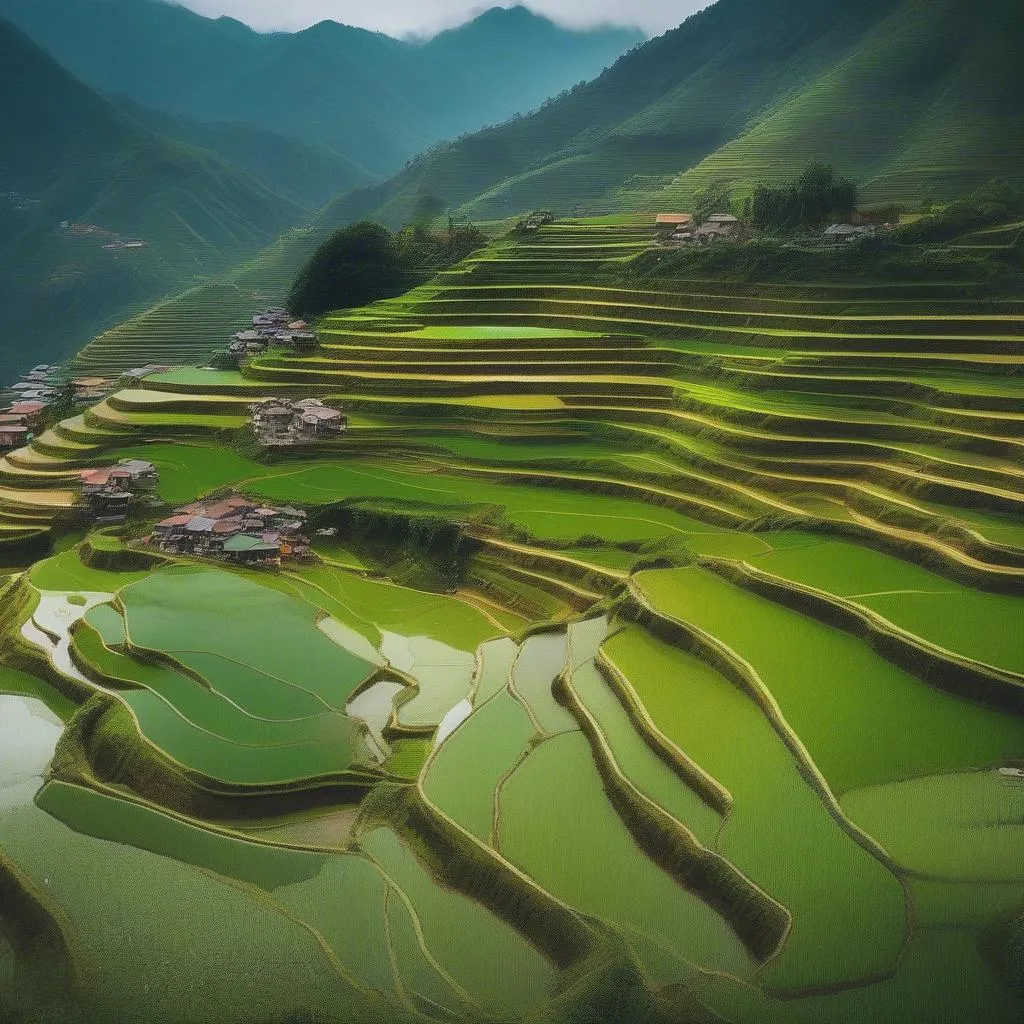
657, 658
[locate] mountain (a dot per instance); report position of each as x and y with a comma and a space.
366, 96
300, 172
911, 100
68, 155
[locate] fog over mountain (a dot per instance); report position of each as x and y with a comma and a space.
424, 17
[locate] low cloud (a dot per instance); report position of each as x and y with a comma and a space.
425, 17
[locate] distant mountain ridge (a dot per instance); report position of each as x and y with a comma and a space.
375, 100
912, 100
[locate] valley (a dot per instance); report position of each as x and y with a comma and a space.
739, 566
505, 549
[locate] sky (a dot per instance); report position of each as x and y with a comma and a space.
425, 17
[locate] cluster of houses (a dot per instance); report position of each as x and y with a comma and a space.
234, 529
679, 229
279, 421
275, 327
26, 415
108, 491
536, 220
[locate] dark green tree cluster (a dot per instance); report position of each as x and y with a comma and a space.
995, 203
365, 262
816, 197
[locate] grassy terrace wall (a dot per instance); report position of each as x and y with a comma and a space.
938, 668
103, 749
760, 922
529, 435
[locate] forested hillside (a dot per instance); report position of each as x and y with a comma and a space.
298, 171
912, 101
373, 99
69, 157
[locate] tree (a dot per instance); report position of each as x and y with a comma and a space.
366, 262
716, 198
355, 266
814, 198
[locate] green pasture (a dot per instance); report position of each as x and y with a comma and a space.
215, 731
124, 904
21, 684
371, 606
66, 572
107, 621
112, 820
957, 903
496, 660
863, 720
444, 676
848, 909
407, 757
545, 512
189, 471
344, 903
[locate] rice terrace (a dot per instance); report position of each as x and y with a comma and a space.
612, 618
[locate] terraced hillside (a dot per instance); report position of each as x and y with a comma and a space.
661, 661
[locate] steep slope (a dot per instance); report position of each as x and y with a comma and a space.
909, 100
929, 102
297, 170
69, 155
374, 99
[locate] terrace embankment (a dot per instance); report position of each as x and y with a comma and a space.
741, 564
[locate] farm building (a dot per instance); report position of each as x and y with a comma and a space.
108, 491
250, 549
276, 327
718, 225
13, 435
32, 413
538, 219
672, 221
278, 421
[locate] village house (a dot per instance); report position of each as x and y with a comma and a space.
671, 221
12, 434
248, 549
31, 413
274, 327
536, 220
717, 226
277, 421
108, 491
90, 389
